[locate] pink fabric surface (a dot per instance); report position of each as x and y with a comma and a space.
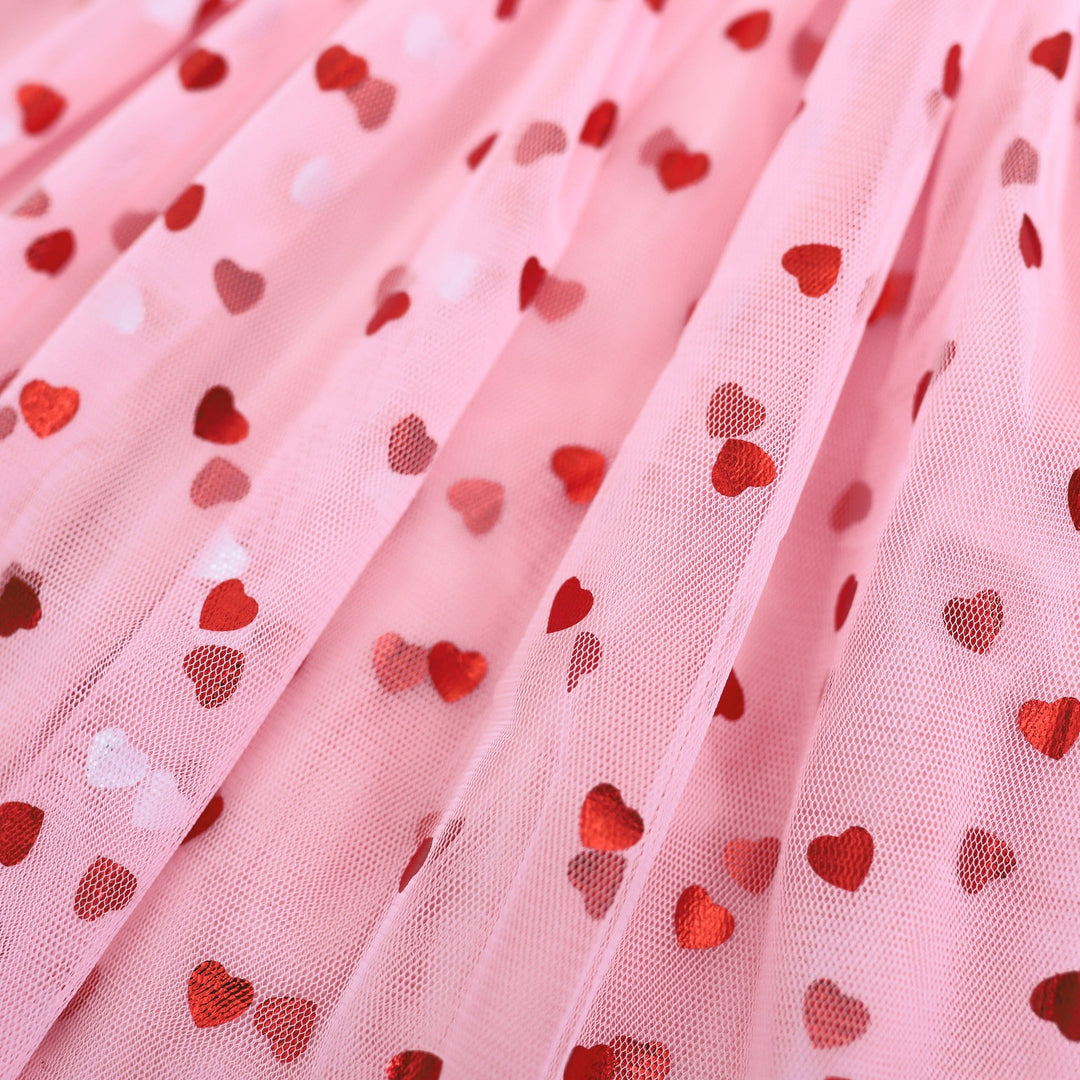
538, 539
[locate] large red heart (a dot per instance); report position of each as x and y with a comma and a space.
679, 168
636, 1060
1052, 53
699, 923
202, 69
815, 267
129, 226
211, 812
185, 208
240, 290
393, 307
1030, 244
597, 876
540, 138
752, 863
398, 665
741, 465
455, 673
749, 31
1073, 498
215, 670
46, 409
288, 1024
20, 608
599, 124
339, 69
20, 824
590, 1063
732, 703
216, 997
950, 78
733, 412
570, 605
411, 449
831, 1018
584, 658
41, 106
373, 100
581, 470
975, 622
607, 823
217, 419
228, 607
478, 501
844, 860
1057, 999
1020, 163
1051, 727
218, 481
106, 886
414, 1065
49, 254
983, 857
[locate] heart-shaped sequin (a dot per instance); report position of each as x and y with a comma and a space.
570, 605
41, 107
741, 465
749, 31
597, 876
678, 168
455, 673
414, 1065
211, 812
20, 608
217, 419
844, 860
106, 886
752, 863
287, 1024
1052, 53
1057, 999
1020, 163
45, 408
185, 208
974, 622
339, 69
983, 857
373, 100
215, 997
1051, 727
240, 290
815, 267
20, 824
699, 923
218, 481
540, 138
732, 702
49, 254
202, 69
607, 823
599, 124
581, 470
590, 1063
831, 1017
732, 412
1030, 244
398, 665
393, 307
411, 449
478, 501
228, 607
215, 670
584, 658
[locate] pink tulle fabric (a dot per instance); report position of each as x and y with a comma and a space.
539, 538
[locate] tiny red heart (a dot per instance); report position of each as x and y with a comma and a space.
815, 267
732, 412
46, 409
1057, 999
228, 607
211, 812
741, 465
581, 470
287, 1023
215, 670
732, 703
455, 673
215, 997
185, 208
239, 289
533, 275
106, 886
373, 100
983, 857
398, 665
1052, 53
950, 78
1020, 163
584, 658
749, 31
218, 481
202, 69
556, 298
411, 449
607, 823
570, 605
480, 151
752, 863
679, 168
540, 138
844, 860
20, 824
339, 69
393, 307
831, 1017
478, 501
974, 622
597, 876
1030, 244
1051, 727
217, 420
49, 254
599, 124
20, 608
414, 1065
41, 107
700, 923
844, 599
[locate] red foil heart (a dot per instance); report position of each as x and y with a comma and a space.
215, 670
752, 863
1052, 53
732, 704
185, 209
679, 168
49, 254
41, 107
597, 876
240, 290
584, 658
478, 501
975, 622
46, 409
287, 1023
852, 506
1030, 244
20, 608
129, 226
106, 886
1072, 498
844, 599
983, 857
211, 812
570, 605
741, 465
844, 860
699, 923
217, 420
1057, 999
599, 124
815, 266
393, 307
398, 665
581, 470
540, 138
1051, 727
455, 673
733, 413
228, 607
414, 1065
20, 824
950, 78
636, 1060
373, 100
1020, 163
411, 449
480, 151
607, 823
831, 1018
590, 1063
215, 997
749, 31
202, 69
339, 69
218, 481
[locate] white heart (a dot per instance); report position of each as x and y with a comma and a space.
222, 558
112, 762
426, 35
159, 805
313, 183
454, 275
172, 14
120, 304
